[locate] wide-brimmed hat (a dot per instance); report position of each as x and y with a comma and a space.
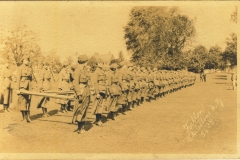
82, 58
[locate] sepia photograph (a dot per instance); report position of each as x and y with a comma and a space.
118, 80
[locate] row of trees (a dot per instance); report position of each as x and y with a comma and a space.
20, 43
158, 37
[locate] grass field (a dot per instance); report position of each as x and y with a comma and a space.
201, 119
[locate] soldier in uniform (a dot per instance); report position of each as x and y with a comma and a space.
24, 77
6, 87
143, 83
114, 90
125, 83
150, 81
137, 84
131, 97
64, 84
100, 85
156, 83
81, 84
45, 84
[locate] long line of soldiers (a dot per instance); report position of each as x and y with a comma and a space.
104, 89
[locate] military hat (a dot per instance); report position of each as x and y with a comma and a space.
82, 58
65, 64
142, 68
122, 63
130, 64
114, 65
135, 67
46, 62
99, 60
106, 67
88, 67
155, 69
74, 66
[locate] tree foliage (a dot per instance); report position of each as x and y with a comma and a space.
214, 58
156, 34
20, 43
55, 61
230, 53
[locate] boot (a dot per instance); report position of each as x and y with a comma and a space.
97, 119
137, 102
99, 123
113, 115
65, 108
81, 128
129, 106
43, 110
46, 113
4, 108
23, 115
62, 108
124, 109
133, 104
28, 116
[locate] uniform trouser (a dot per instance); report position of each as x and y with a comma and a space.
6, 96
81, 110
24, 102
99, 103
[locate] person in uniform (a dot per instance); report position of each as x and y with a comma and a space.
45, 85
137, 84
24, 77
114, 90
156, 83
64, 84
6, 87
143, 84
125, 83
100, 85
81, 84
234, 80
131, 97
150, 81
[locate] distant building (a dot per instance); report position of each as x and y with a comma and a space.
106, 58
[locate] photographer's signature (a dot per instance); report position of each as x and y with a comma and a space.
201, 122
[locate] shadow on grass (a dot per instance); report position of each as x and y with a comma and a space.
221, 78
37, 116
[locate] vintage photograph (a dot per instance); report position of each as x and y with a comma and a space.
118, 80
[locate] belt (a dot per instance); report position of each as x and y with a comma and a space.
82, 82
124, 80
26, 77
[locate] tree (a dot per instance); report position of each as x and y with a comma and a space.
157, 33
214, 57
69, 60
234, 15
199, 58
92, 62
230, 53
121, 56
21, 43
53, 57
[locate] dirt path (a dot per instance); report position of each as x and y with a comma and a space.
159, 127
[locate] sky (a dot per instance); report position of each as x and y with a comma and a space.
73, 28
